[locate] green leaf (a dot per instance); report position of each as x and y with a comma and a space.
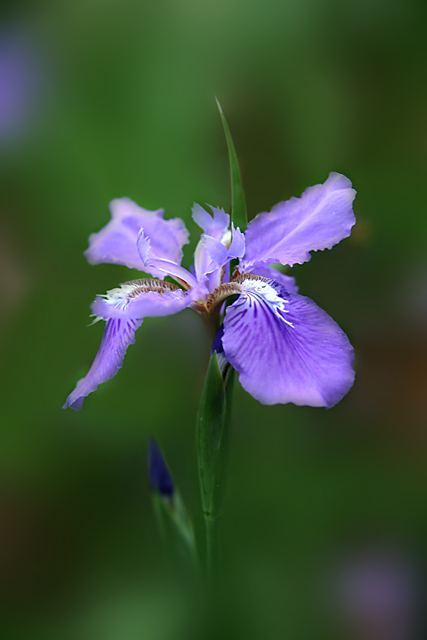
212, 438
176, 527
238, 204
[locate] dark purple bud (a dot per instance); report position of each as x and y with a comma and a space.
159, 476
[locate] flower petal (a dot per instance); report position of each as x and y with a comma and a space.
212, 255
116, 242
158, 266
214, 226
285, 348
141, 299
238, 243
318, 220
216, 251
118, 335
211, 251
124, 309
289, 282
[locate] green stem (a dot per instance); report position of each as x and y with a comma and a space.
213, 547
213, 433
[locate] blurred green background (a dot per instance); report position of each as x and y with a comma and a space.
115, 98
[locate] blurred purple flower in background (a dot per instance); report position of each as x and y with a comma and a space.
284, 347
376, 595
20, 80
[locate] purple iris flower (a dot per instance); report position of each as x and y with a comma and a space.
284, 347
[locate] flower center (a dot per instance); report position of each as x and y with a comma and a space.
251, 288
235, 287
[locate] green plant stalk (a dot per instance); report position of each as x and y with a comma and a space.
213, 431
213, 548
213, 435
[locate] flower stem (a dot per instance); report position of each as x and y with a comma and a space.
213, 548
212, 448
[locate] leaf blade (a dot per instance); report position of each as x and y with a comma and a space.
238, 204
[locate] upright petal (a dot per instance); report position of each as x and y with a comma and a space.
124, 309
212, 255
215, 225
211, 251
318, 220
116, 242
238, 243
216, 253
285, 348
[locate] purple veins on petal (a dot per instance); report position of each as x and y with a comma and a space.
285, 348
124, 309
117, 241
118, 335
319, 219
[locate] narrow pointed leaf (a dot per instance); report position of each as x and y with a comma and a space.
238, 204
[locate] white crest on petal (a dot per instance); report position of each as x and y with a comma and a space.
119, 297
256, 290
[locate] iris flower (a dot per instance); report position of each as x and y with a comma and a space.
284, 347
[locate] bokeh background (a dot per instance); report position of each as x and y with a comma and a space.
325, 524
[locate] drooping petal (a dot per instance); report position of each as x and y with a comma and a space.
118, 335
288, 282
285, 348
124, 309
318, 220
116, 242
140, 299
